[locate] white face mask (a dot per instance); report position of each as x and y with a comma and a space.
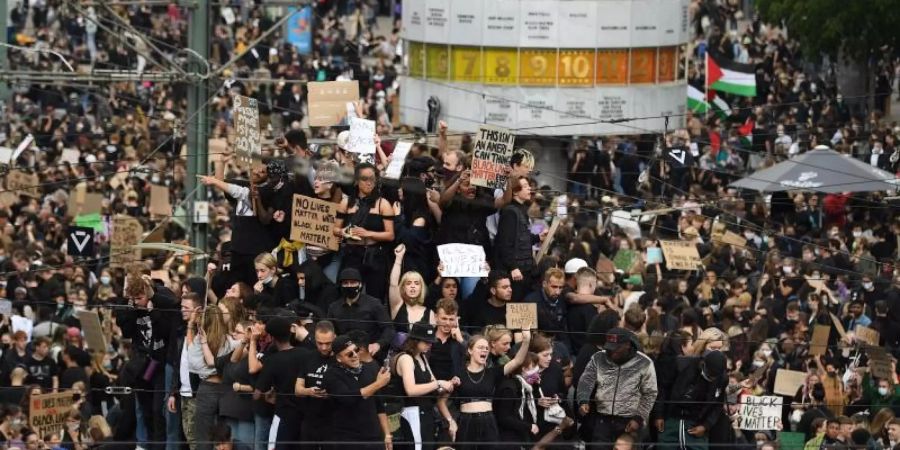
868, 286
757, 363
883, 391
788, 269
857, 234
760, 443
767, 353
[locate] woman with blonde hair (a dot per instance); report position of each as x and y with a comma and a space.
712, 339
233, 311
211, 340
268, 280
499, 340
406, 296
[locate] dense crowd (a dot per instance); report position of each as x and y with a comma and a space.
288, 345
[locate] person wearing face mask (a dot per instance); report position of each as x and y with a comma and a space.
623, 381
696, 401
869, 292
359, 311
879, 394
817, 409
515, 407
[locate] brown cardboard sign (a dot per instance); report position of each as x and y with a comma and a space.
819, 344
867, 335
126, 233
788, 381
49, 412
93, 330
328, 101
312, 222
879, 363
521, 316
681, 255
23, 183
159, 201
82, 202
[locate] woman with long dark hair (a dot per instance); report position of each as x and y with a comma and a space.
414, 223
365, 221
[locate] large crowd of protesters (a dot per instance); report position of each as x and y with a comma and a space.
284, 345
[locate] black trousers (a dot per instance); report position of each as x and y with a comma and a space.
477, 428
316, 431
151, 401
606, 430
289, 431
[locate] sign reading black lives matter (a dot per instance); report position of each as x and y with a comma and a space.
247, 143
492, 150
312, 222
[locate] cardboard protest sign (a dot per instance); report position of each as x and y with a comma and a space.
521, 316
126, 233
22, 183
398, 160
867, 335
879, 363
159, 201
545, 246
760, 413
48, 412
462, 260
838, 325
93, 330
819, 343
8, 199
247, 141
788, 381
492, 150
312, 222
82, 202
681, 255
328, 101
362, 136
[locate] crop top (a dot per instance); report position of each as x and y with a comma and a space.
478, 387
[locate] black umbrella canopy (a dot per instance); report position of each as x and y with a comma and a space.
820, 170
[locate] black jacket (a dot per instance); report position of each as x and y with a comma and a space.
150, 330
514, 240
507, 401
693, 396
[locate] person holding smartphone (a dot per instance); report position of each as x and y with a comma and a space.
310, 386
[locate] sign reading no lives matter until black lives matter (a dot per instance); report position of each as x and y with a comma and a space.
492, 150
312, 222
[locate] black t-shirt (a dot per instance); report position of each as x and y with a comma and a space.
440, 357
280, 372
71, 376
312, 371
481, 313
475, 387
41, 371
354, 418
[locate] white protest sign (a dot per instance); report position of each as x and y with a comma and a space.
20, 323
398, 159
760, 413
492, 150
362, 136
5, 307
21, 148
462, 260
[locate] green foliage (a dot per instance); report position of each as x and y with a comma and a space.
854, 27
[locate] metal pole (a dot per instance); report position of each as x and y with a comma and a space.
4, 29
196, 129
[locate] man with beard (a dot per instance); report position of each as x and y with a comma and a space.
310, 386
551, 308
622, 381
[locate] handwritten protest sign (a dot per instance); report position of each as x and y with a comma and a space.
126, 233
492, 150
93, 331
819, 343
681, 255
48, 412
462, 260
312, 222
22, 183
82, 202
788, 381
398, 160
867, 335
70, 155
879, 362
362, 136
760, 413
247, 144
328, 101
159, 201
521, 316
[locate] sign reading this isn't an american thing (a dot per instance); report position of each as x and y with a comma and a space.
492, 150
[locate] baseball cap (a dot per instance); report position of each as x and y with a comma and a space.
715, 364
616, 338
350, 274
341, 343
574, 264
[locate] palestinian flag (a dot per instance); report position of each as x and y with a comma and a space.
746, 132
725, 75
699, 103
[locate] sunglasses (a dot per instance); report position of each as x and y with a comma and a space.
350, 353
366, 178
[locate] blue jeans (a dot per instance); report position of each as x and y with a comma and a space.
466, 287
242, 431
140, 432
173, 421
262, 425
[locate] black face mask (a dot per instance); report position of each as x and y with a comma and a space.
350, 291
